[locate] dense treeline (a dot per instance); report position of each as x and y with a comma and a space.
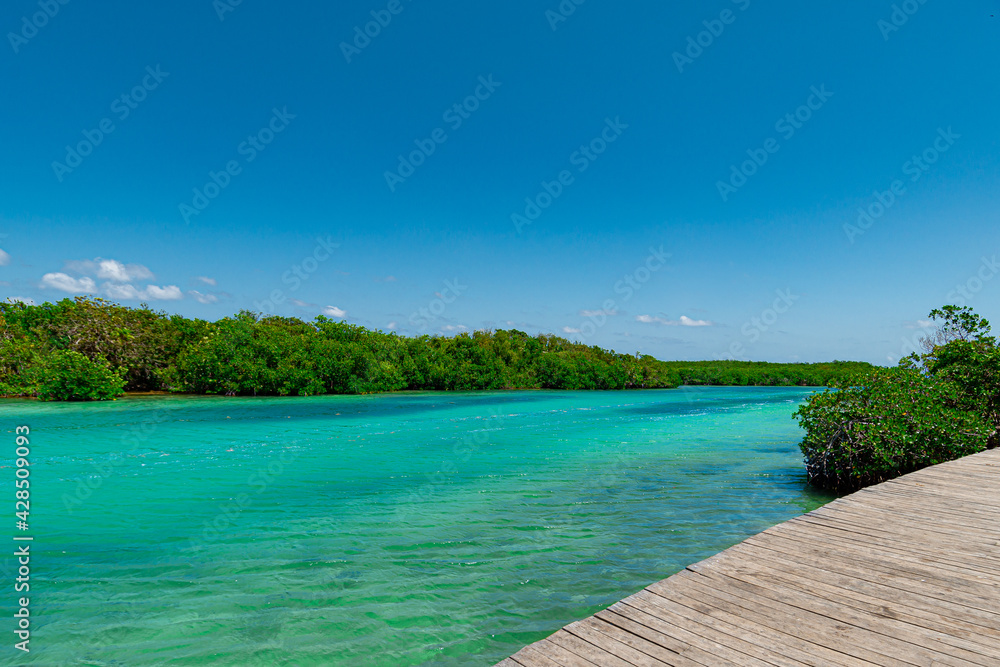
87, 348
761, 373
936, 406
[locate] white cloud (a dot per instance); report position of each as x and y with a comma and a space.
919, 324
165, 293
4, 258
21, 299
207, 281
130, 292
65, 283
118, 282
570, 330
203, 298
125, 292
391, 325
110, 269
453, 327
685, 321
597, 313
301, 304
333, 311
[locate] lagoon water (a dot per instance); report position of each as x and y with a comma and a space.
403, 529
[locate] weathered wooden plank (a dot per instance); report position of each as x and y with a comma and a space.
815, 540
935, 489
698, 646
652, 649
958, 509
944, 516
560, 655
900, 519
943, 602
586, 650
586, 631
810, 627
902, 574
925, 580
860, 534
964, 477
939, 514
635, 622
894, 550
820, 535
879, 594
866, 523
905, 637
918, 496
755, 639
958, 634
530, 656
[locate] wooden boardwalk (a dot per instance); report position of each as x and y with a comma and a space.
904, 573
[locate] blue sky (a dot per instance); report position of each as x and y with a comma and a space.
680, 181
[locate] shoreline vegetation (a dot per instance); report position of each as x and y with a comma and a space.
869, 425
936, 406
92, 349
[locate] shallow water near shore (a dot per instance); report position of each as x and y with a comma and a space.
399, 529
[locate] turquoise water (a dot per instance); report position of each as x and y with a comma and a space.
404, 529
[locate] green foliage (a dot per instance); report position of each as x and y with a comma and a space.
964, 353
935, 407
65, 375
885, 424
762, 373
249, 354
139, 342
